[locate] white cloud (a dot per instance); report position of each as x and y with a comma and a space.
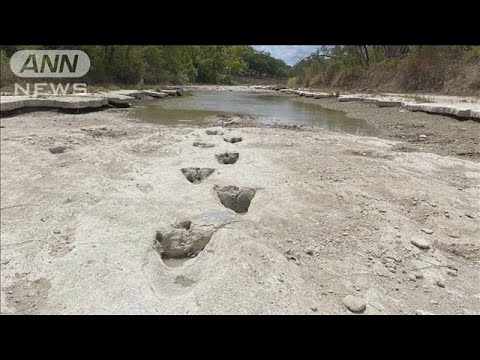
288, 53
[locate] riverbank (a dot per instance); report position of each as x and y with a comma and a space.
87, 199
415, 131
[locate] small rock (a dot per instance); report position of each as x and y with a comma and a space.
58, 150
423, 312
433, 302
309, 252
419, 276
314, 309
421, 244
203, 145
423, 136
452, 235
10, 292
354, 304
214, 132
440, 284
345, 234
56, 231
469, 216
427, 231
412, 277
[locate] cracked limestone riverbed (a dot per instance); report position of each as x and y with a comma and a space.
332, 215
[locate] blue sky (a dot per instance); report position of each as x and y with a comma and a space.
288, 53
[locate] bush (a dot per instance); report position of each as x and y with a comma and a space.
292, 82
422, 70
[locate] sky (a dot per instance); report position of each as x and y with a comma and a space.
288, 53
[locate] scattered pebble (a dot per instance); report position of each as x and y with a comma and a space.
354, 304
421, 244
423, 312
440, 283
427, 231
57, 150
452, 235
56, 231
423, 136
309, 252
314, 309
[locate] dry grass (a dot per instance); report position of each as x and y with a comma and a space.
422, 71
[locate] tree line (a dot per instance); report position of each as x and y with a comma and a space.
131, 64
392, 67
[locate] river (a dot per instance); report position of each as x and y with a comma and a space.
194, 106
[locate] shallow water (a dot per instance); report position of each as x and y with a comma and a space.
267, 108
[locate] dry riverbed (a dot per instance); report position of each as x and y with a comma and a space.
301, 221
415, 131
